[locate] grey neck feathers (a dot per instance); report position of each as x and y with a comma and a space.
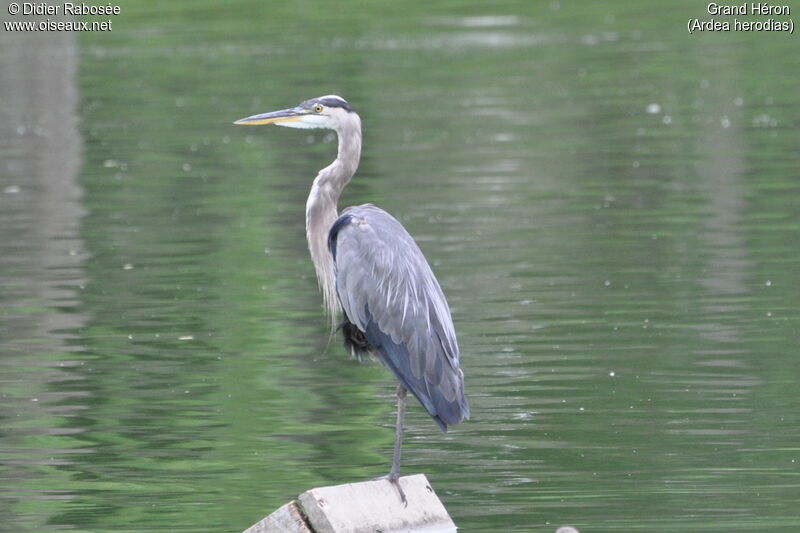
321, 209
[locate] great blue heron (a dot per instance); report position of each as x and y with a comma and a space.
370, 267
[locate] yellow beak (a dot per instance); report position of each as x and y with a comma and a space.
274, 117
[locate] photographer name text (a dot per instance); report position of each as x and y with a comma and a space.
65, 9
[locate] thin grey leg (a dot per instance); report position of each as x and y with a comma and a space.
394, 474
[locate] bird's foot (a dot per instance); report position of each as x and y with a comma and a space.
394, 479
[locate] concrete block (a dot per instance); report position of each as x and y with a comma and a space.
373, 506
286, 519
366, 507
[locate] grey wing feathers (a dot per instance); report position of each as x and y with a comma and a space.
388, 290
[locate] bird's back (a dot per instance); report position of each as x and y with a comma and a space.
389, 293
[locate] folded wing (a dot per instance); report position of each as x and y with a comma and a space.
388, 291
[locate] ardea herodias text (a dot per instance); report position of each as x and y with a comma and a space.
370, 267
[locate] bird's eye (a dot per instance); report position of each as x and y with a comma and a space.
318, 108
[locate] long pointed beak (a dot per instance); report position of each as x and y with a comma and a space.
284, 115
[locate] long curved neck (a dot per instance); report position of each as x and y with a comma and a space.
321, 210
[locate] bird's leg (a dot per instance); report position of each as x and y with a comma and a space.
398, 431
394, 473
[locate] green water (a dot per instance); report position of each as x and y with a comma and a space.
611, 205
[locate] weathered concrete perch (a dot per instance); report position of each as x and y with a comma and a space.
361, 508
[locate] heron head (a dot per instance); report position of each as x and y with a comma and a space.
324, 112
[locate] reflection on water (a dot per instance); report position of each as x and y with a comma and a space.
610, 208
41, 252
